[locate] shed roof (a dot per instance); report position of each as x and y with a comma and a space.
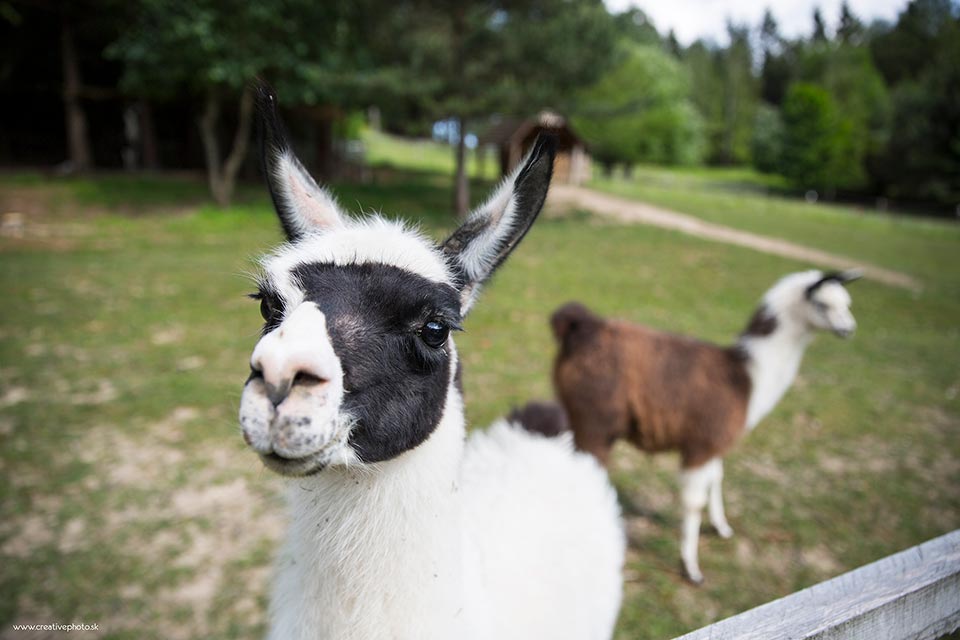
509, 129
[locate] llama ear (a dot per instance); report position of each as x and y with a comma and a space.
303, 206
849, 275
494, 229
840, 277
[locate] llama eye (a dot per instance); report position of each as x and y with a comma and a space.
434, 333
266, 309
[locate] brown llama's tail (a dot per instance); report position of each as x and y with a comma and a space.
546, 418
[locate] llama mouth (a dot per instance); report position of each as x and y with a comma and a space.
295, 467
843, 333
336, 449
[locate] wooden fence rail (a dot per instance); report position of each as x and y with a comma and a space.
914, 594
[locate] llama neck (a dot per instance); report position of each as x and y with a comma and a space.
772, 363
375, 552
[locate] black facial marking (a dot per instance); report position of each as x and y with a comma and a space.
761, 324
840, 277
395, 376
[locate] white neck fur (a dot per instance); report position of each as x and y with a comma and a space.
376, 545
774, 359
773, 362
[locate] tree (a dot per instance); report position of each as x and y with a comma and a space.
639, 112
850, 29
863, 111
819, 27
766, 146
739, 96
904, 52
775, 71
922, 158
475, 58
213, 49
633, 25
810, 137
704, 68
78, 141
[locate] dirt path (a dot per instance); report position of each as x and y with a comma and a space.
633, 211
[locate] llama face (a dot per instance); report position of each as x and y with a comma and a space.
828, 304
356, 358
356, 361
364, 355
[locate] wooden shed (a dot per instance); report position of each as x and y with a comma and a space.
513, 138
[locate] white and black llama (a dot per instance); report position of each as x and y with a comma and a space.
401, 527
665, 392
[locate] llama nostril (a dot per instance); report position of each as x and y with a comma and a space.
278, 392
308, 379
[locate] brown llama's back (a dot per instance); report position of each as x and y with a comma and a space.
658, 390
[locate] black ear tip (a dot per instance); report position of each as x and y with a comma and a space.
272, 132
545, 144
852, 275
266, 98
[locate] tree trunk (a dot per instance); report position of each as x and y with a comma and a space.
461, 192
222, 179
78, 142
324, 147
148, 137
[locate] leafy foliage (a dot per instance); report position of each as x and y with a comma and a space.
638, 112
811, 137
314, 52
766, 147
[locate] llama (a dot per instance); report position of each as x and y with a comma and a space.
401, 527
667, 392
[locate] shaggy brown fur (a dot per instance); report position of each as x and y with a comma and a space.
546, 418
660, 391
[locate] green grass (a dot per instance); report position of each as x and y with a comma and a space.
129, 499
742, 199
385, 150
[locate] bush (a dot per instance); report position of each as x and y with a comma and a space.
812, 138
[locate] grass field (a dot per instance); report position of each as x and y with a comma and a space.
753, 202
128, 498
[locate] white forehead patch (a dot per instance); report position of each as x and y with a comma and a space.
833, 294
371, 240
790, 289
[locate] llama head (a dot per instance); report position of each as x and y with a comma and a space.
807, 301
356, 360
828, 303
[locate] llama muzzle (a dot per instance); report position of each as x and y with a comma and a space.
289, 411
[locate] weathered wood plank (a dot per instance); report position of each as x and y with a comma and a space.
911, 595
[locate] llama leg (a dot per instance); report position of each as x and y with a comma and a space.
717, 517
694, 488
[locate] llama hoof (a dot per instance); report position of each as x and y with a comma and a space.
725, 531
693, 576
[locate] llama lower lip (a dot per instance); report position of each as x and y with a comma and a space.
296, 467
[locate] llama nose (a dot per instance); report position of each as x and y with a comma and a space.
296, 355
278, 392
